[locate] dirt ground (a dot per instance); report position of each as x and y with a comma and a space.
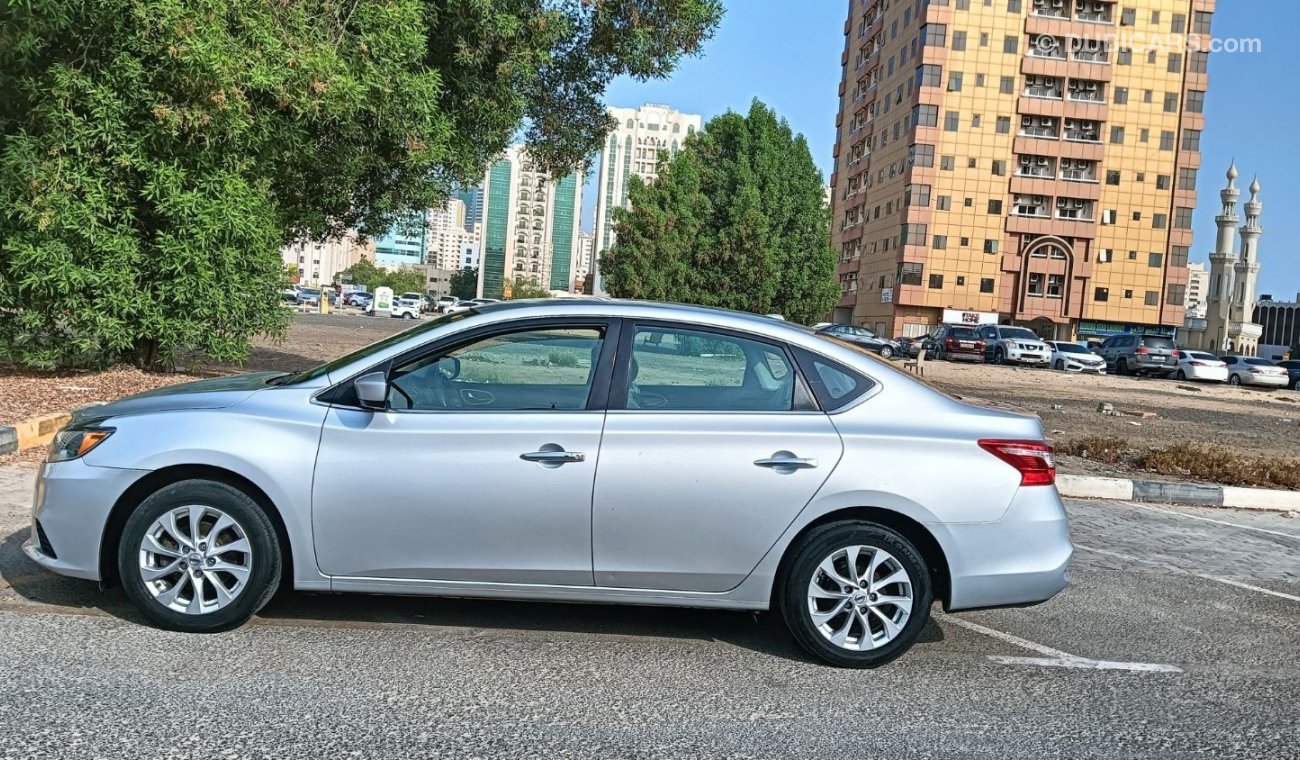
1252, 422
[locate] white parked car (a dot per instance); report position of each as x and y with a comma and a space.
1198, 365
405, 309
1248, 370
1075, 357
1008, 344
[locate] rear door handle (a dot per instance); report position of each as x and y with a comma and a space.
554, 457
786, 463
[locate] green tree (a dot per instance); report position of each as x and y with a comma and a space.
736, 220
366, 274
155, 154
464, 284
405, 281
522, 288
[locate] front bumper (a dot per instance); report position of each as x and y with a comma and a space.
72, 503
1025, 356
1096, 369
1019, 559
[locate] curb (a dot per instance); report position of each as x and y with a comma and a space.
37, 431
1191, 494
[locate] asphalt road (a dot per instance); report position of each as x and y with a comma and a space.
1179, 637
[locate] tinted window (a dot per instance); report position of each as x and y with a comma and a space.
837, 383
538, 369
1158, 343
1019, 333
685, 370
1071, 348
964, 333
1260, 362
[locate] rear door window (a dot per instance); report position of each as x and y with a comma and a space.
685, 370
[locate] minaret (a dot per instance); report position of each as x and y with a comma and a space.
1218, 308
1247, 268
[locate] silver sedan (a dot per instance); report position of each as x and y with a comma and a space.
592, 451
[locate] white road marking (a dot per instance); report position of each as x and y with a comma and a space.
1055, 658
1225, 581
1211, 519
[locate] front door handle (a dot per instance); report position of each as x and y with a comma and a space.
554, 457
785, 461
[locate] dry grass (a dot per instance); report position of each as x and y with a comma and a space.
1201, 461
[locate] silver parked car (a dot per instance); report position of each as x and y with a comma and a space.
576, 450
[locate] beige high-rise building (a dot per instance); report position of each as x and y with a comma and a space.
446, 233
1022, 161
319, 263
632, 149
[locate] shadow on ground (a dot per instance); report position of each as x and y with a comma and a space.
763, 633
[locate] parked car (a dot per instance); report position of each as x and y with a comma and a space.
1140, 354
1292, 367
404, 308
958, 342
863, 337
308, 297
1008, 344
460, 306
289, 295
1198, 365
200, 498
910, 347
1075, 357
1248, 370
360, 299
444, 302
484, 301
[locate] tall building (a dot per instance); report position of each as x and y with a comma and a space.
1197, 278
586, 254
1004, 161
405, 242
446, 234
318, 263
633, 149
1280, 321
531, 224
1229, 325
472, 197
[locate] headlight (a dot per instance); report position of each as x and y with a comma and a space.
71, 443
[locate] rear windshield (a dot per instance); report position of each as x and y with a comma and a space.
1019, 333
1200, 356
1156, 342
1261, 362
964, 333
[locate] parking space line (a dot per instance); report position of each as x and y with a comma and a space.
1225, 581
1211, 519
1055, 658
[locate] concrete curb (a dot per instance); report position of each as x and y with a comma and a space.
37, 431
1191, 494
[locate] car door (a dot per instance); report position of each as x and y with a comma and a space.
989, 334
712, 446
481, 469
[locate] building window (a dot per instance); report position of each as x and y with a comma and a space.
1112, 178
1128, 293
928, 75
1128, 17
1177, 295
1183, 218
986, 284
1013, 6
944, 202
975, 121
1166, 140
1187, 178
934, 34
1155, 260
940, 244
914, 234
1105, 255
1153, 298
946, 163
958, 41
995, 207
1201, 22
1036, 284
1101, 294
1144, 136
954, 81
936, 281
1007, 85
917, 195
1121, 96
1124, 57
921, 155
1117, 135
909, 273
1004, 125
1192, 139
1132, 255
1199, 62
1171, 102
999, 168
1175, 63
1195, 101
1178, 256
1055, 285
990, 245
950, 120
1011, 44
1151, 56
925, 116
1179, 24
979, 80
1159, 221
1162, 181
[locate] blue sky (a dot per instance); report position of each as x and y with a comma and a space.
787, 54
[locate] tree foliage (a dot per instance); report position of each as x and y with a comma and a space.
736, 220
522, 288
464, 284
365, 273
155, 154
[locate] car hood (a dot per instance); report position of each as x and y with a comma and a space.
212, 393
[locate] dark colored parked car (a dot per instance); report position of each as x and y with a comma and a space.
958, 342
1293, 371
1140, 354
863, 337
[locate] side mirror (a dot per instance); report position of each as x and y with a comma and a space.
372, 390
449, 366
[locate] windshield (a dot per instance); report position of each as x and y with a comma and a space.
1200, 356
1072, 348
1018, 333
373, 348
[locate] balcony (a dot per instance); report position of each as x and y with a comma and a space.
1050, 9
1031, 206
1043, 127
1085, 91
1047, 46
1086, 51
1094, 12
1075, 170
1048, 93
1037, 170
1082, 131
1074, 209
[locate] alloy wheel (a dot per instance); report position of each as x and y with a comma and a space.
195, 559
860, 598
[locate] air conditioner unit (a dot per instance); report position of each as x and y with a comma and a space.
1092, 87
1081, 6
1044, 161
1076, 203
1062, 203
1026, 121
1026, 160
1045, 121
1098, 7
1058, 3
1039, 200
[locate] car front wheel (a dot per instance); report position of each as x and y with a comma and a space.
199, 556
887, 352
856, 594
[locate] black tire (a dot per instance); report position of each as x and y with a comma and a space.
1060, 365
263, 579
1180, 376
792, 594
1121, 367
999, 357
1234, 379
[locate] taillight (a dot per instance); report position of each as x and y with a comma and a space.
1032, 459
951, 342
1141, 350
979, 344
1198, 364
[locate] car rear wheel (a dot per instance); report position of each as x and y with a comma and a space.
887, 352
1180, 375
856, 594
199, 556
1121, 367
1234, 379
